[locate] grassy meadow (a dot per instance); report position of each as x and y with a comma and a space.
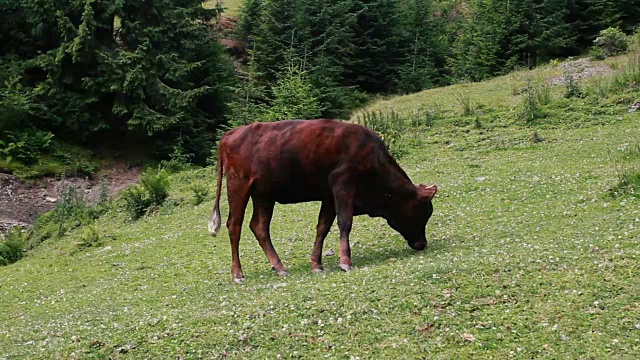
530, 255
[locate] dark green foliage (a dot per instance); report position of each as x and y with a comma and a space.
532, 102
136, 201
376, 53
89, 237
574, 90
25, 146
12, 245
249, 20
156, 183
89, 69
423, 45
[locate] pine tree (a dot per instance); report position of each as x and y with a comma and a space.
249, 21
476, 53
278, 34
423, 46
376, 55
327, 42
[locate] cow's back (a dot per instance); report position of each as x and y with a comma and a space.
291, 160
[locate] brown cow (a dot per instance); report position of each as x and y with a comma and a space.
346, 166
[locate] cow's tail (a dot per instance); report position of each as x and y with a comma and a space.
214, 221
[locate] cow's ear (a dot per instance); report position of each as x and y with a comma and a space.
426, 193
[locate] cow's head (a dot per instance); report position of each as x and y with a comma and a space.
411, 218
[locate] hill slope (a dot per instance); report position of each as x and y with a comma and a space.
529, 256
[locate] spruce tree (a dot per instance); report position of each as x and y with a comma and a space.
278, 34
376, 54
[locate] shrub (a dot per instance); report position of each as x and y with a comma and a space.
422, 118
12, 245
628, 74
611, 41
90, 237
200, 193
294, 97
596, 53
156, 183
25, 146
136, 201
389, 126
152, 191
178, 160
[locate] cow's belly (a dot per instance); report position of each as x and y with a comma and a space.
293, 190
298, 194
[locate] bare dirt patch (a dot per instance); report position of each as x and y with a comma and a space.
22, 201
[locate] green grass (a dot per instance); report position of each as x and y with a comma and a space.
231, 7
529, 256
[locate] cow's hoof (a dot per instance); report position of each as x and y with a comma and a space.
282, 273
238, 280
345, 267
318, 270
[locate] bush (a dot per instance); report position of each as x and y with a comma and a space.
152, 191
611, 41
25, 146
294, 97
90, 237
596, 53
200, 193
136, 201
573, 86
12, 245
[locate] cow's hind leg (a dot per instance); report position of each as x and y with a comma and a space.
260, 226
238, 196
325, 220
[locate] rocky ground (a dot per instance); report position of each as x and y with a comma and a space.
22, 201
580, 69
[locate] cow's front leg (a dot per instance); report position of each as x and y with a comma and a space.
325, 220
343, 194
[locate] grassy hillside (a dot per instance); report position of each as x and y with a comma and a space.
529, 254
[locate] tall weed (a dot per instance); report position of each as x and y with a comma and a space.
389, 126
534, 98
464, 100
628, 173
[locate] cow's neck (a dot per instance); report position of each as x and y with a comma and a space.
392, 188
